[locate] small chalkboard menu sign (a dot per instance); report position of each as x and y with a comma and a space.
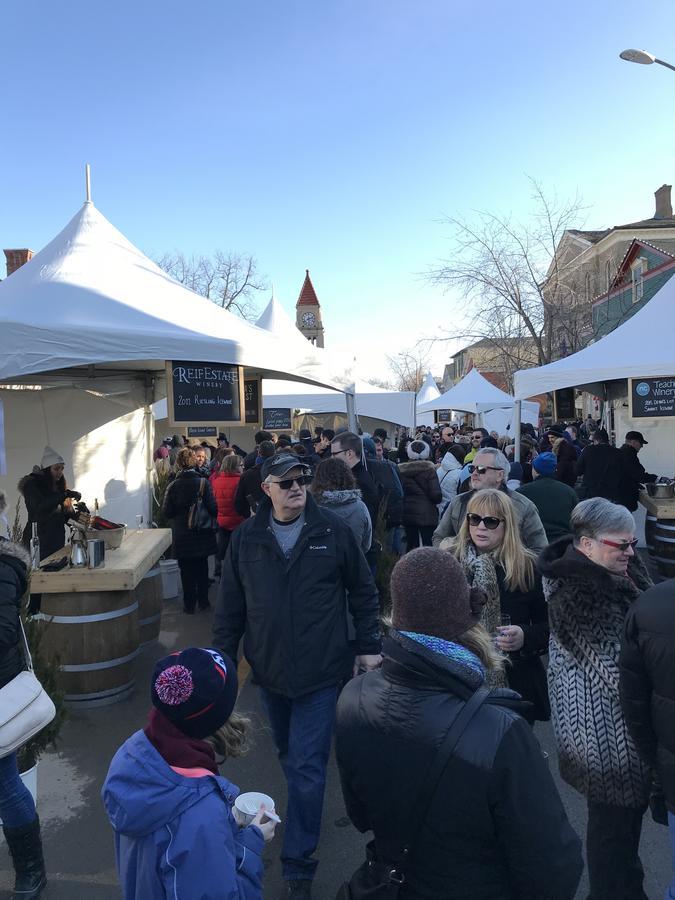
252, 400
199, 393
277, 418
652, 398
564, 405
443, 415
202, 431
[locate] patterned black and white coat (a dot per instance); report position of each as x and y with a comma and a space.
587, 608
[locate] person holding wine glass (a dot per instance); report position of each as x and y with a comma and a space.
490, 549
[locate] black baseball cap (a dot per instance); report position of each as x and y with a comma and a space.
636, 436
281, 464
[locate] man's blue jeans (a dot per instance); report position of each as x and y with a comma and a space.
670, 892
303, 730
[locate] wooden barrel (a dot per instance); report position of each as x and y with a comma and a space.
149, 595
664, 547
94, 635
650, 528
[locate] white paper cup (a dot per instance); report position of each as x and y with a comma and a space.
246, 806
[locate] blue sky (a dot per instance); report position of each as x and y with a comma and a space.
330, 134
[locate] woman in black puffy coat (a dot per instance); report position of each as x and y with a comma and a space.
421, 495
191, 548
21, 825
495, 828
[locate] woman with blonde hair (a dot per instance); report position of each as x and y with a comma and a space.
492, 553
491, 822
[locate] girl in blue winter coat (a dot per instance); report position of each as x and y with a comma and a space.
175, 835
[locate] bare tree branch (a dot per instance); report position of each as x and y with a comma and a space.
522, 301
230, 280
409, 368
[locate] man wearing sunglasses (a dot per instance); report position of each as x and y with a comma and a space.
477, 436
490, 469
292, 577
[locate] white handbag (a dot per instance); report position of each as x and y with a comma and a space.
25, 707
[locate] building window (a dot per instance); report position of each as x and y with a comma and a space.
608, 273
587, 287
638, 268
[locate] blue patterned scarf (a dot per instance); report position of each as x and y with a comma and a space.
453, 651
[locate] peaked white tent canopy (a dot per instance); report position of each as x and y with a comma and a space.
475, 394
397, 407
641, 347
429, 391
91, 298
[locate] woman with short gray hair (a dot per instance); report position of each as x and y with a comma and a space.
591, 578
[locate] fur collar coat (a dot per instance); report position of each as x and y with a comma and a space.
587, 608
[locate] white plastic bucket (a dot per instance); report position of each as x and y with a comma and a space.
170, 582
29, 778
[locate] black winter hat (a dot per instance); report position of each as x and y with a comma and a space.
430, 595
195, 689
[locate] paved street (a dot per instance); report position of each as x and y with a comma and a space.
78, 840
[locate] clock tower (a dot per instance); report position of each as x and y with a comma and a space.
308, 313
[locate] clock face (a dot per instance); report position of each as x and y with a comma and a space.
308, 319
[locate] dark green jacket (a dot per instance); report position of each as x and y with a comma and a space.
554, 501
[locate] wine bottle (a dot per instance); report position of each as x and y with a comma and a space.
35, 548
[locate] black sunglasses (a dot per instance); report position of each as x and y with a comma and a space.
288, 483
490, 522
481, 470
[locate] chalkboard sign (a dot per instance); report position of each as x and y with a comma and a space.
652, 397
277, 418
202, 431
564, 407
252, 400
443, 415
200, 393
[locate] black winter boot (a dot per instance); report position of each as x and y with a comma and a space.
25, 847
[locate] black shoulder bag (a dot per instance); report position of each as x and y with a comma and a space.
376, 879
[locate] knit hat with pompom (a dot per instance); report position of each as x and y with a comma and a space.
196, 689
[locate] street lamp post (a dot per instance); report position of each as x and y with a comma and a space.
643, 58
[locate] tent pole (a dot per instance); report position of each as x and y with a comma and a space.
149, 423
351, 412
87, 181
516, 435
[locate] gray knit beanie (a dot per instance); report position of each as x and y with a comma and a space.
430, 595
51, 458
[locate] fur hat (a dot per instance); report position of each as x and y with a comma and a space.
418, 450
430, 595
195, 689
51, 458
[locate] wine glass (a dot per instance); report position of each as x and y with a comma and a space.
139, 522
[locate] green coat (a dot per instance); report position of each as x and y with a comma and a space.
554, 501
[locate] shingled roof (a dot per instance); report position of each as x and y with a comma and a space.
308, 294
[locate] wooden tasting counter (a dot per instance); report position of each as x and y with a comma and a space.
95, 620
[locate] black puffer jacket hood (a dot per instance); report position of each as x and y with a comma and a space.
496, 828
14, 562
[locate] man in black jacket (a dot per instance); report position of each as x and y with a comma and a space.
647, 689
348, 447
288, 578
633, 473
600, 465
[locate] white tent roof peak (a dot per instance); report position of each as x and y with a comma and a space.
90, 297
473, 393
276, 320
641, 347
429, 390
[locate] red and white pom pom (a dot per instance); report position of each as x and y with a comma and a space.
174, 685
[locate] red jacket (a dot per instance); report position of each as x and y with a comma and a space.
224, 486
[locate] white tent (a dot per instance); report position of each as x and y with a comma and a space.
91, 298
86, 328
641, 347
397, 407
429, 391
475, 394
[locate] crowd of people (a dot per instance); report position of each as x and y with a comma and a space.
432, 702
